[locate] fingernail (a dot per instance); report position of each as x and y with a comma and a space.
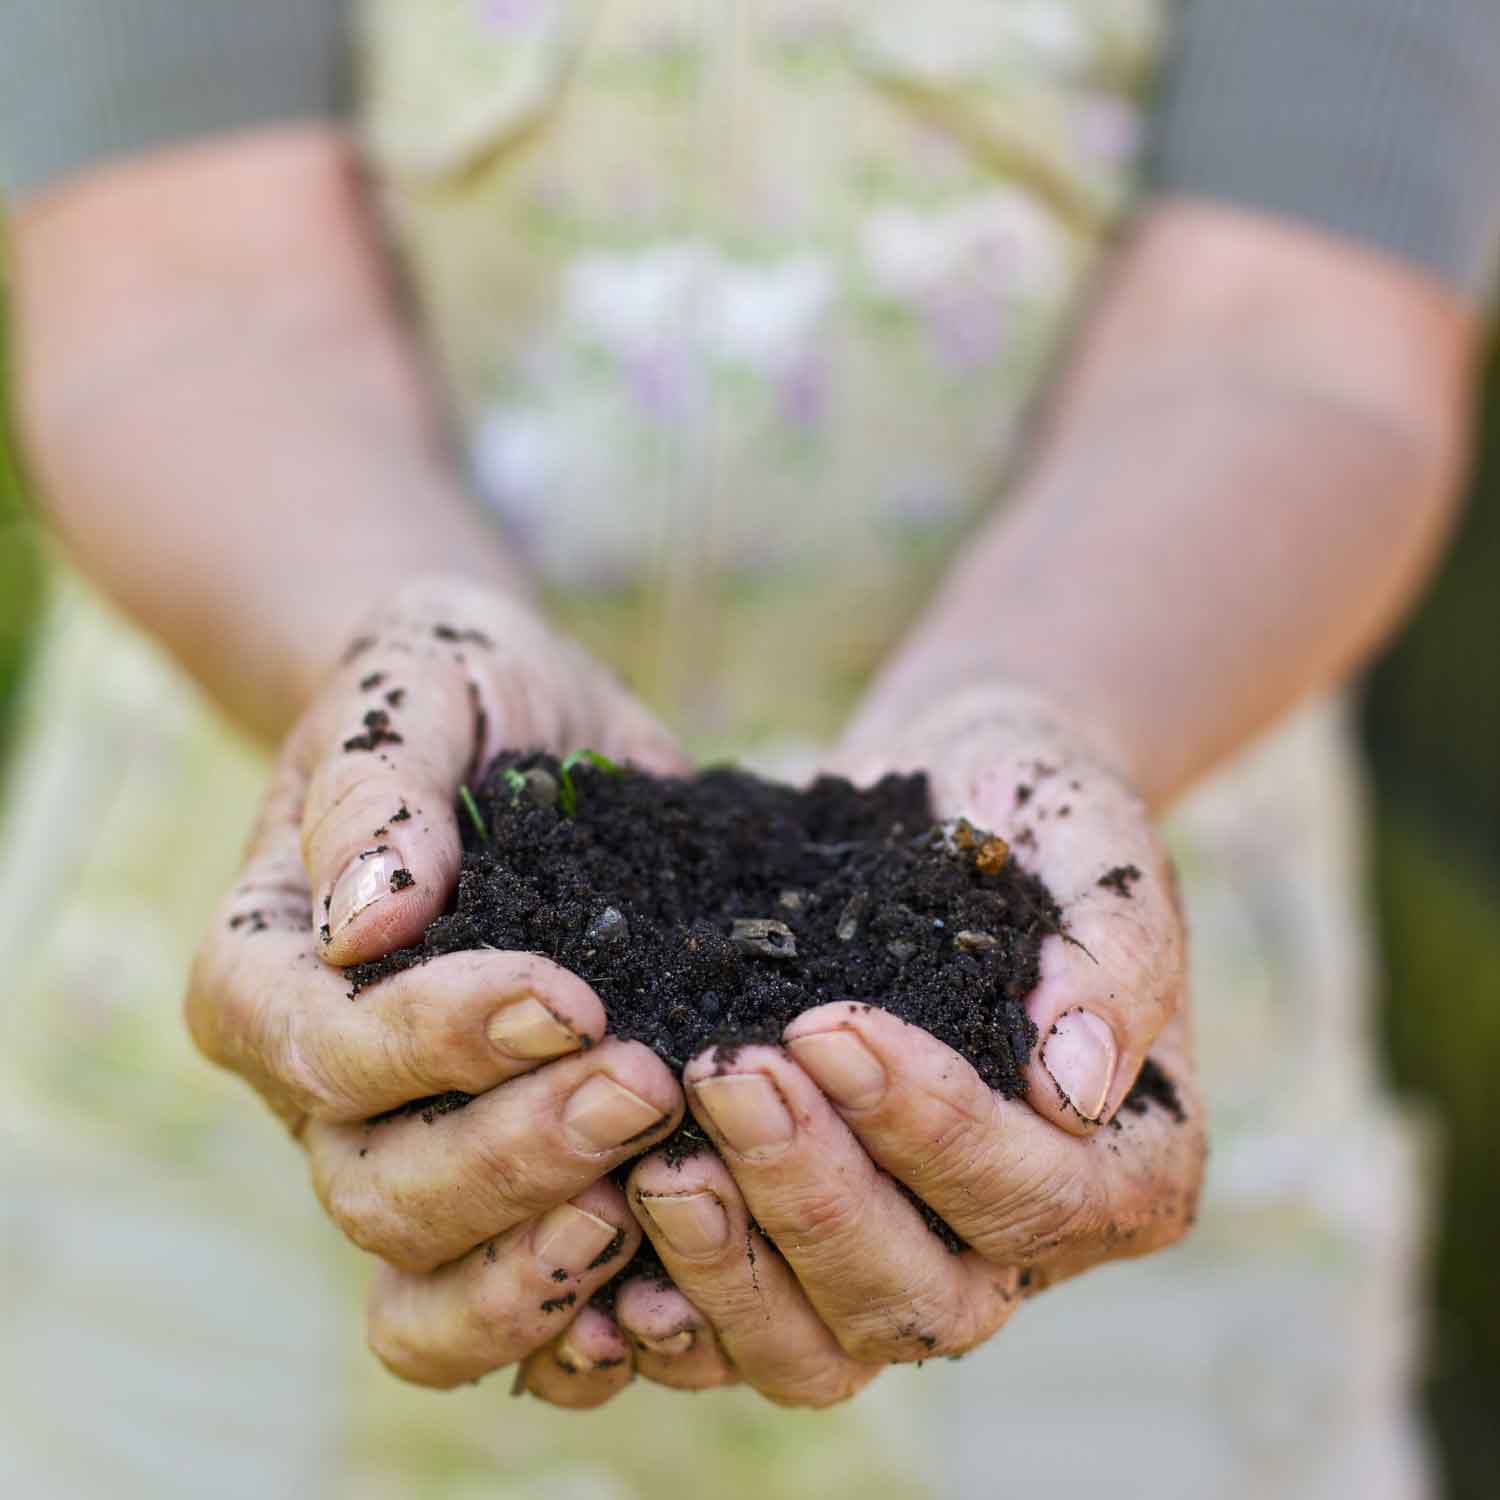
365, 880
843, 1067
602, 1115
674, 1343
569, 1357
1080, 1054
527, 1029
567, 1239
749, 1112
690, 1223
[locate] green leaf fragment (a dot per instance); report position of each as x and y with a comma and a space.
567, 794
472, 808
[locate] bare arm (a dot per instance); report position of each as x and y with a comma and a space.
226, 417
1238, 488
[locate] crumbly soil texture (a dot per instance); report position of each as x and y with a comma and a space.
708, 911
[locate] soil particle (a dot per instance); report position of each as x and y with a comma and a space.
556, 1304
608, 930
608, 1253
403, 816
401, 879
370, 683
378, 732
1153, 1086
1119, 880
396, 697
451, 633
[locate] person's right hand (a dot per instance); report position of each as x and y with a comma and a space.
495, 1222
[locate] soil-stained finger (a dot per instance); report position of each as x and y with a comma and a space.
882, 1280
504, 1299
584, 1367
767, 1328
1013, 1186
262, 1002
380, 839
422, 1188
673, 1342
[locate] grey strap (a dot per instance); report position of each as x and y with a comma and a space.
1376, 119
85, 80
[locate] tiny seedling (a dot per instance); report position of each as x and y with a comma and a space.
516, 782
472, 808
567, 791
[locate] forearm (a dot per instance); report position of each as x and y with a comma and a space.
1240, 486
223, 412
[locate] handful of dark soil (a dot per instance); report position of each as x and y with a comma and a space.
711, 910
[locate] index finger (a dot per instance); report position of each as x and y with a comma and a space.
262, 1003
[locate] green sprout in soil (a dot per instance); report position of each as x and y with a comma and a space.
567, 792
516, 782
472, 808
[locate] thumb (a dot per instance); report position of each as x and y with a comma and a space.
386, 753
1113, 977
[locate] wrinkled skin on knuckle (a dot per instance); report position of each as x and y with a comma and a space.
820, 1223
324, 1084
1035, 1217
954, 1156
370, 1215
894, 1330
435, 1045
509, 1181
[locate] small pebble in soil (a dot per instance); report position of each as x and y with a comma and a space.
608, 930
756, 937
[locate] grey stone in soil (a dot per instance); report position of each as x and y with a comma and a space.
762, 938
609, 929
974, 942
854, 909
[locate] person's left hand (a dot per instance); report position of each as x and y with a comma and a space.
800, 1263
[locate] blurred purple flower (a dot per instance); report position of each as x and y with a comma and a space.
514, 15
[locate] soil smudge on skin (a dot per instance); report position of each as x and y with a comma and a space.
1119, 880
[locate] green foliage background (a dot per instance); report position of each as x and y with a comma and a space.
1432, 724
21, 572
1433, 728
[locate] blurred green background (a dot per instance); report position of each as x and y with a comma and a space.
1432, 719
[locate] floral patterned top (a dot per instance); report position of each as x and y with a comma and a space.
741, 305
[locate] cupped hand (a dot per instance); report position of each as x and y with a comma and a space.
494, 1222
800, 1261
